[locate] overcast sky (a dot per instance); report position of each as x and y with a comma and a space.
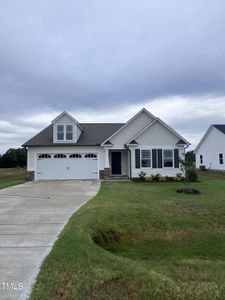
102, 61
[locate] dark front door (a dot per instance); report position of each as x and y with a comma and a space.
116, 163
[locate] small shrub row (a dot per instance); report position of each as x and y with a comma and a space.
159, 178
191, 176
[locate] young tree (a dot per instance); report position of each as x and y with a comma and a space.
190, 173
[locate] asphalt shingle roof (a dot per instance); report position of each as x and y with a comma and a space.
220, 127
93, 134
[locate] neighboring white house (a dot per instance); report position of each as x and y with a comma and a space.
67, 149
210, 152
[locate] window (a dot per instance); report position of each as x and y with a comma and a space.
44, 156
168, 158
75, 155
201, 159
60, 155
90, 155
146, 158
60, 132
69, 132
64, 132
221, 158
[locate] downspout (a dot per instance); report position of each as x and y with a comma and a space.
130, 159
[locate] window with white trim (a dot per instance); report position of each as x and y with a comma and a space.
69, 132
146, 158
65, 132
201, 159
221, 158
60, 132
168, 158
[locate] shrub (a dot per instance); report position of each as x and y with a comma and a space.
148, 178
155, 177
169, 178
162, 179
180, 175
192, 174
177, 179
142, 175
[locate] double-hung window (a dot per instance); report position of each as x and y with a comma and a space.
167, 158
221, 158
60, 132
146, 159
69, 132
64, 132
201, 159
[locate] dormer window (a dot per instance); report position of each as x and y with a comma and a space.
60, 132
66, 129
69, 132
64, 132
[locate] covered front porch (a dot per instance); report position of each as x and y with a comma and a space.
117, 164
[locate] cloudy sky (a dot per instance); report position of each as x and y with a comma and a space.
102, 61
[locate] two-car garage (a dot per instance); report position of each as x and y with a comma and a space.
67, 166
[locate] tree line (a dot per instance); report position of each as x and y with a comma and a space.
13, 158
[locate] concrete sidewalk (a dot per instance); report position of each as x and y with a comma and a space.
31, 217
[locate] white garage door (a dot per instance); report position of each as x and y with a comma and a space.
67, 166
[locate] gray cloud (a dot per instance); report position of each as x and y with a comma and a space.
78, 55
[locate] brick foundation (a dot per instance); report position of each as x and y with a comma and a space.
30, 175
105, 174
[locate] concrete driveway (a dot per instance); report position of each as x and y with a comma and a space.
31, 217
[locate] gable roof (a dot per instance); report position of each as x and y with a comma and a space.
69, 116
220, 127
128, 122
93, 134
181, 139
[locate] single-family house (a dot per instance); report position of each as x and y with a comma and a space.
210, 152
67, 149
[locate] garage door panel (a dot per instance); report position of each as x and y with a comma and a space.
67, 168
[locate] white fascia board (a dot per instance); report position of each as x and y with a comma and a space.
69, 116
128, 122
140, 132
164, 124
174, 132
204, 137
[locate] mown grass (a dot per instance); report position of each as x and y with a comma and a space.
11, 176
166, 245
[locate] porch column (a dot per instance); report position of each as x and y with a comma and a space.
107, 158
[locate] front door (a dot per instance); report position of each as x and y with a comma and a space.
116, 163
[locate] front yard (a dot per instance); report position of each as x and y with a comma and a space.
11, 176
141, 241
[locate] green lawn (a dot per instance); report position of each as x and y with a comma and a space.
11, 176
152, 243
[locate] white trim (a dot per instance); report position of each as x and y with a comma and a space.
69, 116
128, 122
150, 147
172, 158
164, 124
204, 137
141, 167
64, 134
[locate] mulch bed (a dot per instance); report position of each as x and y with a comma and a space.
188, 191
